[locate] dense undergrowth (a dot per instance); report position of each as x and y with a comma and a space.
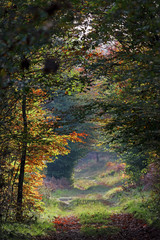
93, 199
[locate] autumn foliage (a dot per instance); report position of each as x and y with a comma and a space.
43, 145
67, 223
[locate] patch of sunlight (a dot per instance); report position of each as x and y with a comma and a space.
109, 194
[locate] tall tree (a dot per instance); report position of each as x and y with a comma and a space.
26, 66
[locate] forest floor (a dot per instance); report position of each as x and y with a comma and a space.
100, 205
117, 227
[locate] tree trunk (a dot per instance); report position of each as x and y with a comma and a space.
97, 157
2, 185
23, 159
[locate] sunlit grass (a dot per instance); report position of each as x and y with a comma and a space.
52, 210
110, 193
88, 194
96, 223
66, 193
110, 180
93, 201
94, 196
138, 203
98, 217
89, 208
134, 201
84, 183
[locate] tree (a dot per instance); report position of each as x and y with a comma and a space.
24, 68
128, 74
132, 80
129, 93
42, 144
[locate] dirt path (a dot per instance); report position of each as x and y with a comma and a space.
130, 228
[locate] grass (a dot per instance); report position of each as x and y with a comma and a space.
95, 231
94, 218
113, 192
90, 207
52, 209
111, 180
101, 194
16, 231
139, 203
92, 200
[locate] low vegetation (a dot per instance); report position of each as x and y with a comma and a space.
94, 201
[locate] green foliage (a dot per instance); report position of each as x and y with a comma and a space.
52, 209
92, 210
98, 217
63, 166
129, 88
136, 164
141, 204
26, 65
113, 192
73, 112
25, 230
38, 39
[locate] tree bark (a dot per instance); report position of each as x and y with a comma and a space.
19, 213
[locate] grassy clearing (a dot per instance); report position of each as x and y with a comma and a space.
52, 209
92, 200
96, 223
101, 194
107, 185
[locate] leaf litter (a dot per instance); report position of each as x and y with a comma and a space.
129, 227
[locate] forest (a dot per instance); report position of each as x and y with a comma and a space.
79, 119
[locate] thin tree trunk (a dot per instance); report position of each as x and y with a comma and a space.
97, 157
23, 159
2, 185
